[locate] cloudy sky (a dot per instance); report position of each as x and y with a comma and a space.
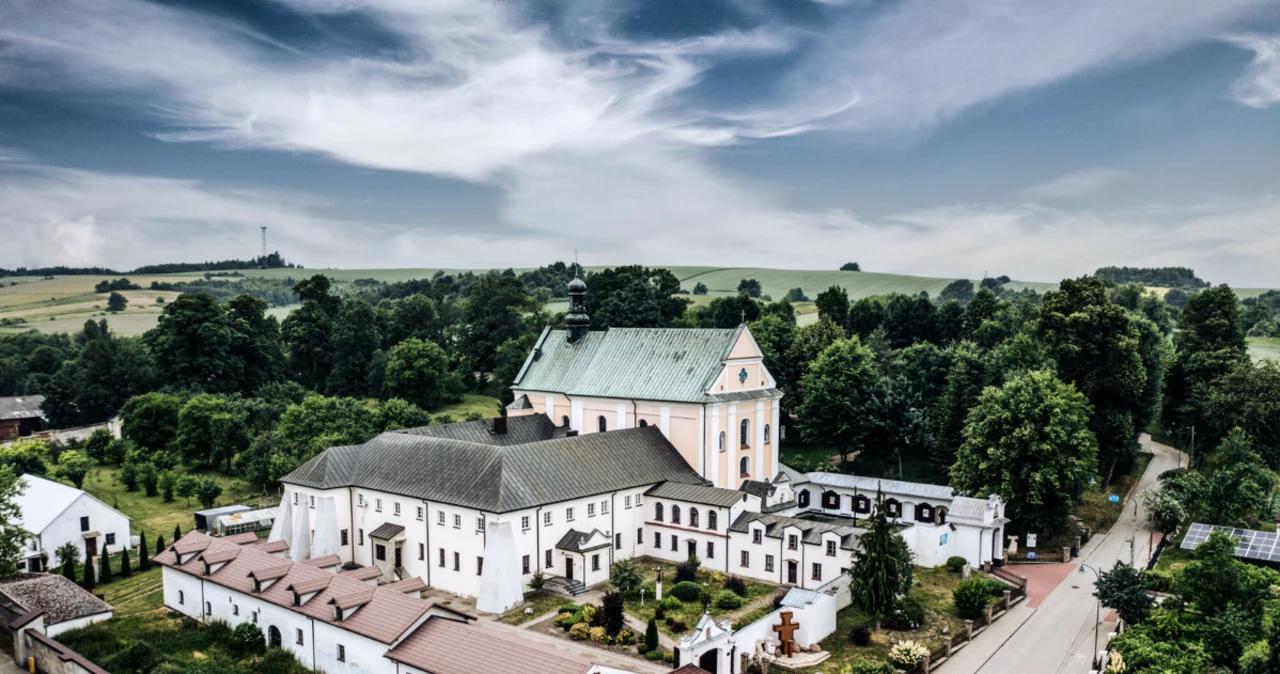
1038, 139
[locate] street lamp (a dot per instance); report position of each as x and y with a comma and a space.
1097, 621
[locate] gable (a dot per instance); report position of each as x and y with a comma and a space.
745, 347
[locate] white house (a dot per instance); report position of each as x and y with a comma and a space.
55, 514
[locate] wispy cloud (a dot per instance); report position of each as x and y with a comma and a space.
1075, 183
1259, 86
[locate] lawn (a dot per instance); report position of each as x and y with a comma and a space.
1263, 348
932, 589
486, 406
1097, 511
541, 603
690, 612
64, 303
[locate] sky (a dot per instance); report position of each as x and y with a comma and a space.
1036, 139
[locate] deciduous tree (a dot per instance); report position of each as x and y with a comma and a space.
833, 304
1124, 589
839, 383
73, 466
418, 372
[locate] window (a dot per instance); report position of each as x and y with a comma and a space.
604, 507
182, 597
639, 535
568, 514
111, 539
457, 521
235, 609
744, 433
380, 552
626, 502
793, 542
674, 543
591, 510
803, 498
295, 498
457, 561
396, 508
422, 552
746, 558
768, 563
346, 538
831, 548
421, 512
817, 571
602, 424
757, 536
657, 540
254, 617
524, 522
711, 520
479, 566
84, 524
547, 562
893, 507
442, 558
342, 653
638, 503
722, 441
766, 434
564, 421
360, 500
595, 562
208, 608
524, 564
693, 517
675, 514
657, 511
643, 423
311, 501
744, 467
617, 541
711, 550
362, 538
546, 519
377, 504
479, 524
299, 632
440, 518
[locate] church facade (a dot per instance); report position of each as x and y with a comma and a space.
707, 390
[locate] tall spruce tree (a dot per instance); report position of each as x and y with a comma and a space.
125, 569
143, 562
882, 569
88, 582
177, 532
159, 544
104, 568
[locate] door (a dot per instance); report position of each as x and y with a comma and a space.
91, 547
710, 661
273, 637
693, 548
398, 551
568, 568
792, 570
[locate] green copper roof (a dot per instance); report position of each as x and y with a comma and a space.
667, 364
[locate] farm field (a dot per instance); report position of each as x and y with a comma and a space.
1262, 348
64, 303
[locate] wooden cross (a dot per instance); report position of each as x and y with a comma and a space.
786, 634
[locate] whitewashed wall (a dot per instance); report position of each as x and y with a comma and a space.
102, 518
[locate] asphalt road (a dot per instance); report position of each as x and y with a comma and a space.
1058, 636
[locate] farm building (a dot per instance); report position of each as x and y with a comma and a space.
205, 518
246, 521
20, 416
53, 514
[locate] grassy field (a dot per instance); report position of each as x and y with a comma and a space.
64, 303
151, 513
485, 406
1262, 348
541, 603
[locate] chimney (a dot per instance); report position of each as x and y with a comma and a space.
500, 426
577, 319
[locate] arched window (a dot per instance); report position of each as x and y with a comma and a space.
711, 520
722, 440
643, 423
803, 498
766, 434
693, 517
745, 433
861, 504
604, 425
564, 421
924, 512
744, 467
830, 500
657, 511
940, 515
675, 514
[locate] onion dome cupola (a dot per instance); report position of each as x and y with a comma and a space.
577, 320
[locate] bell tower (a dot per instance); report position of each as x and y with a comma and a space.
577, 320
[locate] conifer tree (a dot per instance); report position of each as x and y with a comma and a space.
104, 568
159, 544
125, 569
177, 532
882, 570
143, 562
88, 581
651, 635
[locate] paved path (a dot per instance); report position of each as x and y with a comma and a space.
1057, 637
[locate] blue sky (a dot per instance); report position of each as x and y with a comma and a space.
1034, 139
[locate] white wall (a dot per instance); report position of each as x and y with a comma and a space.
362, 654
58, 628
102, 518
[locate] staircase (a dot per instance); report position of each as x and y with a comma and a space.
573, 588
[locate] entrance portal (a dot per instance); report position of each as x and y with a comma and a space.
710, 661
568, 568
273, 637
792, 571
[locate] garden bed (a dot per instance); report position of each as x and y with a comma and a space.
688, 613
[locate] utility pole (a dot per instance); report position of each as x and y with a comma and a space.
264, 246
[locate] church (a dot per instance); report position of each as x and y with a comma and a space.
620, 443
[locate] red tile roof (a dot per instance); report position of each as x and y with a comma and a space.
220, 555
362, 573
444, 646
690, 669
273, 546
323, 562
354, 599
309, 586
247, 538
384, 619
407, 586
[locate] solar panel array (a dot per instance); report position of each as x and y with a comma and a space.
1252, 544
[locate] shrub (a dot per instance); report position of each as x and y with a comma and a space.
579, 632
654, 654
651, 635
864, 667
737, 585
996, 587
277, 661
907, 615
956, 564
626, 637
673, 603
687, 571
537, 581
247, 639
569, 608
686, 591
860, 635
907, 654
728, 601
626, 578
970, 598
588, 614
670, 621
596, 634
1159, 581
611, 613
139, 657
659, 612
668, 656
679, 626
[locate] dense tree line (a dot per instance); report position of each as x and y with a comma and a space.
270, 261
1169, 277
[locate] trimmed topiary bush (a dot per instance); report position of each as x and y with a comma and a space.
728, 601
580, 632
956, 564
970, 598
686, 591
687, 571
860, 635
672, 603
679, 626
864, 667
654, 654
569, 608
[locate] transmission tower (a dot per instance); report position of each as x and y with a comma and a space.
264, 246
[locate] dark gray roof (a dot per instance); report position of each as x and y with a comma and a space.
60, 599
695, 493
520, 430
759, 488
811, 531
387, 531
574, 541
634, 363
521, 403
497, 478
21, 407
